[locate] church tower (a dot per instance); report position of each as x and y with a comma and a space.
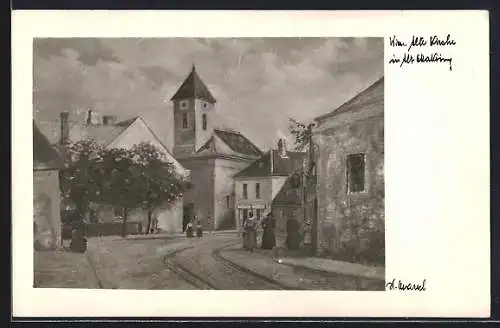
194, 108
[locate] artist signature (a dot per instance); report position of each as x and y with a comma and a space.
406, 286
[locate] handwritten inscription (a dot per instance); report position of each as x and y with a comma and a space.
416, 50
406, 286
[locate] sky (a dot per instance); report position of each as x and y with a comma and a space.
259, 83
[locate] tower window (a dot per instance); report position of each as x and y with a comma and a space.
356, 173
228, 202
257, 190
245, 191
204, 121
185, 121
184, 104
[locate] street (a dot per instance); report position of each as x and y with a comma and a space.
212, 262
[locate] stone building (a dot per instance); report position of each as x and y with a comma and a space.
349, 151
265, 187
46, 193
112, 133
212, 154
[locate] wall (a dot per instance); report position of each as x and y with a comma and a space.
187, 140
202, 193
139, 132
184, 139
202, 107
337, 209
277, 184
224, 185
169, 216
47, 202
282, 213
264, 200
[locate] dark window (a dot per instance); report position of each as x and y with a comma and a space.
204, 121
228, 202
356, 173
258, 212
257, 190
245, 214
245, 191
185, 121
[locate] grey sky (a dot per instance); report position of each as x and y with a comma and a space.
258, 82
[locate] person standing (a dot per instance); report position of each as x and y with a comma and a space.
199, 229
189, 229
268, 238
250, 238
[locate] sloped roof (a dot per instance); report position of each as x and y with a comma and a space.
44, 155
272, 164
229, 142
238, 142
193, 87
287, 194
374, 92
287, 165
101, 133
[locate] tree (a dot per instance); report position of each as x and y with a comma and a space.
159, 182
120, 184
126, 178
81, 179
301, 132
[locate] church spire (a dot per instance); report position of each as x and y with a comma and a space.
193, 87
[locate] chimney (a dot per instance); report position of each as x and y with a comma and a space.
91, 117
282, 147
64, 139
108, 119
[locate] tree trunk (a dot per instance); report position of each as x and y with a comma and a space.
150, 214
124, 225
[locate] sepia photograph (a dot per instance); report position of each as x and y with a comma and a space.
209, 163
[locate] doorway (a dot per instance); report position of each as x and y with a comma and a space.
188, 211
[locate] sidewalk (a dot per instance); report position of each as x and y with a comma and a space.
301, 258
173, 235
63, 269
305, 273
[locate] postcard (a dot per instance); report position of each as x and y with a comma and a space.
255, 164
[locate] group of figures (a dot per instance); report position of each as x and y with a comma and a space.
250, 233
190, 228
250, 226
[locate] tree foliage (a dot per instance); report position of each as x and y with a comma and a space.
126, 178
80, 180
158, 183
301, 133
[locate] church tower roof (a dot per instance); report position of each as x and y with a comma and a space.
193, 87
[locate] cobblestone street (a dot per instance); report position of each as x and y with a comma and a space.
213, 262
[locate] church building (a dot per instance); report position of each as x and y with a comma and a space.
212, 154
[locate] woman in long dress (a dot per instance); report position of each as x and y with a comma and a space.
250, 239
268, 238
189, 229
199, 229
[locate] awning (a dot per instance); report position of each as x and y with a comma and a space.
252, 206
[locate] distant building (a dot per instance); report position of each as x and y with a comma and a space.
111, 133
349, 153
47, 196
213, 155
265, 187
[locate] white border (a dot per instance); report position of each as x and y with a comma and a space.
437, 219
